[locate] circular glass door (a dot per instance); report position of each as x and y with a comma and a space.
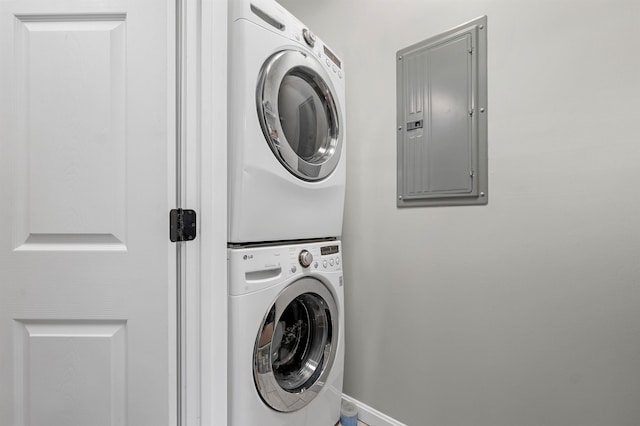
299, 115
296, 345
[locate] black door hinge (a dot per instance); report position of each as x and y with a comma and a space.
182, 225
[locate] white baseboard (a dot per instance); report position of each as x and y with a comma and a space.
371, 416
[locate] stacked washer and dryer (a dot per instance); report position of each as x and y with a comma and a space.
286, 201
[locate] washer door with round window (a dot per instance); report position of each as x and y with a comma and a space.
299, 114
296, 345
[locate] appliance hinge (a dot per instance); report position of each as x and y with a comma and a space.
182, 225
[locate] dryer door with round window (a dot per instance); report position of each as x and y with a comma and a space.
296, 345
300, 114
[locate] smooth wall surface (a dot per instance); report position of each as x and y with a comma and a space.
526, 311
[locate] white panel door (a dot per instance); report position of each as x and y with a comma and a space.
87, 177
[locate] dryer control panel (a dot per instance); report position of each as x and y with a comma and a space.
326, 57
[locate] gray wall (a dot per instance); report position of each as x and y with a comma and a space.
526, 311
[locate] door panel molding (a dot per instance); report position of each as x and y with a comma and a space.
70, 147
54, 360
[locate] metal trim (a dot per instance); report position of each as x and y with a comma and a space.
267, 385
280, 242
273, 72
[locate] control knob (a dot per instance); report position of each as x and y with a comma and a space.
309, 37
305, 258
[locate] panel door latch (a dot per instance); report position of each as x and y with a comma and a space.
182, 225
413, 125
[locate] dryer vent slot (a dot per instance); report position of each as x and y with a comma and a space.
263, 274
267, 18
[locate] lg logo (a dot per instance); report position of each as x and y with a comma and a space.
247, 256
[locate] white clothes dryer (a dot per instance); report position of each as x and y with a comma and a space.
286, 128
286, 335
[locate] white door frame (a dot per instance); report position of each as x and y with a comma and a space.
204, 189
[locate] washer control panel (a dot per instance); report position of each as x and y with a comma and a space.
319, 257
255, 268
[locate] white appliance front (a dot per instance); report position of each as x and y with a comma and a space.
286, 128
286, 335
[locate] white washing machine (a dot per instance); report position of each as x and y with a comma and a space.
286, 335
286, 128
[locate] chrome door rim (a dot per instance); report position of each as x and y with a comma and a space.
272, 74
268, 386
